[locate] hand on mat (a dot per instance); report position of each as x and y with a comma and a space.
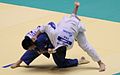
15, 65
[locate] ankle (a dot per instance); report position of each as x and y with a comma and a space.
100, 63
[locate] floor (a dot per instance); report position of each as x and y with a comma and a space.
16, 21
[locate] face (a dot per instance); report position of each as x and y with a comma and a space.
32, 47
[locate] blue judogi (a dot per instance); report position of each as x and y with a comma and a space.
43, 43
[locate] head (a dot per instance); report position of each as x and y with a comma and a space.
28, 44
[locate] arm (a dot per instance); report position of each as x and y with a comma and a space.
40, 29
77, 4
36, 35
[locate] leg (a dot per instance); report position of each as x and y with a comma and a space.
61, 61
83, 43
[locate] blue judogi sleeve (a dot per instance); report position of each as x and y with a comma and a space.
29, 56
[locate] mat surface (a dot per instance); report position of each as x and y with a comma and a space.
16, 21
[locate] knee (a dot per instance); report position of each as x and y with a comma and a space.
85, 47
59, 63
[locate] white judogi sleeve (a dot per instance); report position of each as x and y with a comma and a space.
34, 31
42, 28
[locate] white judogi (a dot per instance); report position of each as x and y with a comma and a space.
65, 32
73, 25
69, 28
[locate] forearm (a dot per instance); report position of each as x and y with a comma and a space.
77, 4
36, 35
19, 62
75, 10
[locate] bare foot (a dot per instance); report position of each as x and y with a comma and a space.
14, 66
102, 67
83, 61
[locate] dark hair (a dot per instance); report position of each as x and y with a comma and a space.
27, 42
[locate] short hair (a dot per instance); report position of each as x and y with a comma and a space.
27, 42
